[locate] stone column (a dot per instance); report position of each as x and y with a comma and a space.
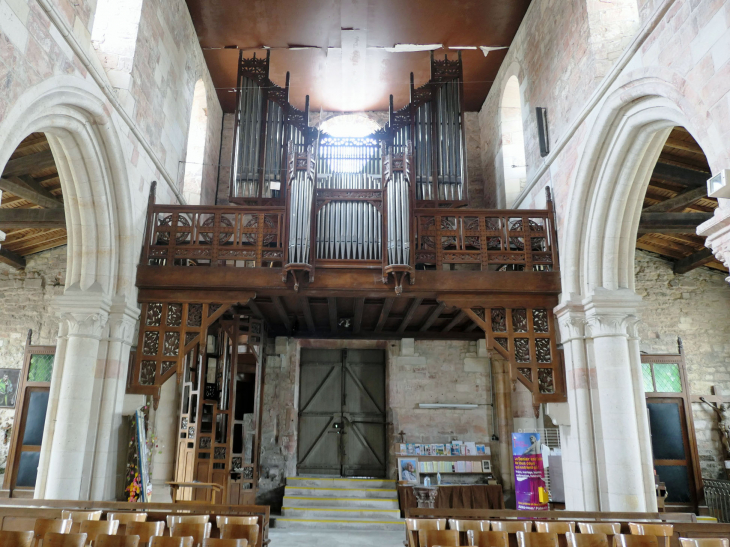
717, 232
606, 444
68, 447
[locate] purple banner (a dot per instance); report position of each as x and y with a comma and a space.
529, 472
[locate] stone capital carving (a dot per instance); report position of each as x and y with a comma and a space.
122, 321
572, 322
83, 312
717, 232
603, 313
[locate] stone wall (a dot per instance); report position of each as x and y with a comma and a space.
696, 307
25, 303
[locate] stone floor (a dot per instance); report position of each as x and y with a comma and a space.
334, 538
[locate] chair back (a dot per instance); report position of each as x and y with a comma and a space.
16, 539
220, 520
465, 525
704, 542
166, 541
444, 538
187, 519
18, 524
127, 516
78, 516
587, 540
198, 531
214, 542
651, 529
106, 540
249, 532
488, 539
425, 524
145, 530
511, 526
537, 539
630, 540
608, 528
54, 539
45, 526
554, 526
94, 528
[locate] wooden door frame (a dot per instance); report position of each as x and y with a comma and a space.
686, 397
313, 343
11, 466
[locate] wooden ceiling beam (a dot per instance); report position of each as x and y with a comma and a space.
332, 309
21, 219
384, 312
357, 320
432, 318
409, 314
307, 312
671, 223
471, 327
695, 260
687, 146
29, 189
679, 201
28, 164
279, 306
11, 259
680, 175
455, 321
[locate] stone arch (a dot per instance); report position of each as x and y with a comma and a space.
195, 156
511, 165
98, 308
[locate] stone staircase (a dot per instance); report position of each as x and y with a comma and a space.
334, 503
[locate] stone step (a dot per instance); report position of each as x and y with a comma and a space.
332, 482
320, 501
345, 513
339, 524
314, 492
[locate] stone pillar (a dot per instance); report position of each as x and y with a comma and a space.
606, 444
717, 232
78, 455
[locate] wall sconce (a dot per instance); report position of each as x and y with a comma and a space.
719, 185
542, 130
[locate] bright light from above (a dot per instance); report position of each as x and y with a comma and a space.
349, 125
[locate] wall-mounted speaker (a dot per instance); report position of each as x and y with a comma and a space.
542, 130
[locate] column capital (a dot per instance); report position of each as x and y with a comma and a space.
604, 312
122, 320
717, 234
571, 320
85, 312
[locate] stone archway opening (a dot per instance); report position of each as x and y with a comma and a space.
513, 141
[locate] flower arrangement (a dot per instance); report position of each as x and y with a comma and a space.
134, 489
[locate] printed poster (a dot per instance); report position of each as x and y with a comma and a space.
529, 472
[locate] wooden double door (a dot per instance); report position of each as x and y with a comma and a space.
342, 413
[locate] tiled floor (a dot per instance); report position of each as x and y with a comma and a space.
335, 538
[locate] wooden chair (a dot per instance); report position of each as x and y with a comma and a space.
94, 528
145, 530
127, 517
220, 520
54, 526
78, 516
18, 524
444, 538
187, 519
488, 539
704, 542
214, 542
54, 539
249, 532
608, 528
106, 540
587, 540
646, 529
165, 541
537, 539
16, 539
414, 525
627, 540
554, 526
511, 526
466, 525
198, 531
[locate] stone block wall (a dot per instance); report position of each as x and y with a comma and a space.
696, 307
25, 303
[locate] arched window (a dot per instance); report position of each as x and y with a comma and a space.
195, 157
513, 142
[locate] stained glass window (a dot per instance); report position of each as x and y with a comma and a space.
41, 368
666, 377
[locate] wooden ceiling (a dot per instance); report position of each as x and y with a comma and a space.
676, 203
335, 52
31, 210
